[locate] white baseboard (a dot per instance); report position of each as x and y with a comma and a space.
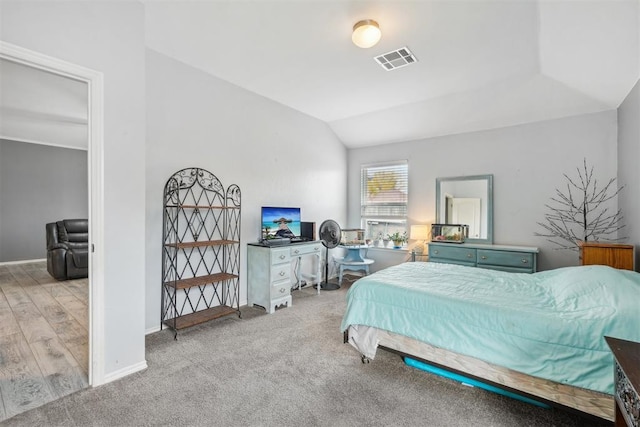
152, 330
121, 373
25, 261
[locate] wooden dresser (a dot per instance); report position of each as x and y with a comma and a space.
626, 380
612, 254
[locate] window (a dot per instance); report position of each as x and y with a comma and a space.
384, 198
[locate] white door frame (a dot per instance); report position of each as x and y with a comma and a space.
95, 125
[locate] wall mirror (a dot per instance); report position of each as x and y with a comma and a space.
467, 200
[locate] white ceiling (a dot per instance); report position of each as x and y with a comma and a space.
481, 64
41, 107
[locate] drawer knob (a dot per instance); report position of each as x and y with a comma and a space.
282, 257
483, 257
525, 261
469, 255
282, 273
436, 252
283, 290
296, 251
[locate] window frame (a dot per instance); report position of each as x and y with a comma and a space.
391, 216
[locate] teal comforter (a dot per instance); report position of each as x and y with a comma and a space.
549, 324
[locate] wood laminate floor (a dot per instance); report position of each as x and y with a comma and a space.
44, 339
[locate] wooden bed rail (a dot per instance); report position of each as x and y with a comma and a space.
587, 403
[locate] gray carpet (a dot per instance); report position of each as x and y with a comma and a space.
289, 368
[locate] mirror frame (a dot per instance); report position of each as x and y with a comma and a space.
489, 179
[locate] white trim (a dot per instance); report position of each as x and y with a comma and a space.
95, 84
24, 261
152, 330
383, 164
33, 141
116, 375
44, 117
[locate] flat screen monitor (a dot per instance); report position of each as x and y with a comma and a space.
280, 221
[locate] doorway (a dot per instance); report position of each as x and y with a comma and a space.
94, 83
466, 210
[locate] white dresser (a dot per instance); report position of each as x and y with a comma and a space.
269, 272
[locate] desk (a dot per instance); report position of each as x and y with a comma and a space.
269, 272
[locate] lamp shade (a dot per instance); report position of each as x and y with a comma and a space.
366, 33
419, 232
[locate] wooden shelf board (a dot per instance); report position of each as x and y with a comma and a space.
202, 243
201, 316
201, 280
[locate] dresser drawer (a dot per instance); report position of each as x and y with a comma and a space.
305, 249
455, 253
280, 255
280, 272
280, 289
505, 259
516, 259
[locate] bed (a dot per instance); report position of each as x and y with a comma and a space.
539, 335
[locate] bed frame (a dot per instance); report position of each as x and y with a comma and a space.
585, 402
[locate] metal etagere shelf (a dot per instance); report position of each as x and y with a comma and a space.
201, 249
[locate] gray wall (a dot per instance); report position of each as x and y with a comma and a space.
108, 37
277, 155
38, 184
628, 160
527, 162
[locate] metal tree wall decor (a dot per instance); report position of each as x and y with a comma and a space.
580, 212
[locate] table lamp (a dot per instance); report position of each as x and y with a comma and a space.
421, 234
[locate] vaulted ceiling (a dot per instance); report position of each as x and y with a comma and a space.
481, 64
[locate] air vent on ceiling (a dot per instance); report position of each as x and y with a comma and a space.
396, 59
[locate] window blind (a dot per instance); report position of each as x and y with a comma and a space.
384, 190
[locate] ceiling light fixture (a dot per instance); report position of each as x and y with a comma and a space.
366, 33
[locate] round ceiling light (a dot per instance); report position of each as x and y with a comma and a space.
366, 33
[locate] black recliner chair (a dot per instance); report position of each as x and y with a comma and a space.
68, 249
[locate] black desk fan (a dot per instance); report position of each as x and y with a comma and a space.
330, 235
